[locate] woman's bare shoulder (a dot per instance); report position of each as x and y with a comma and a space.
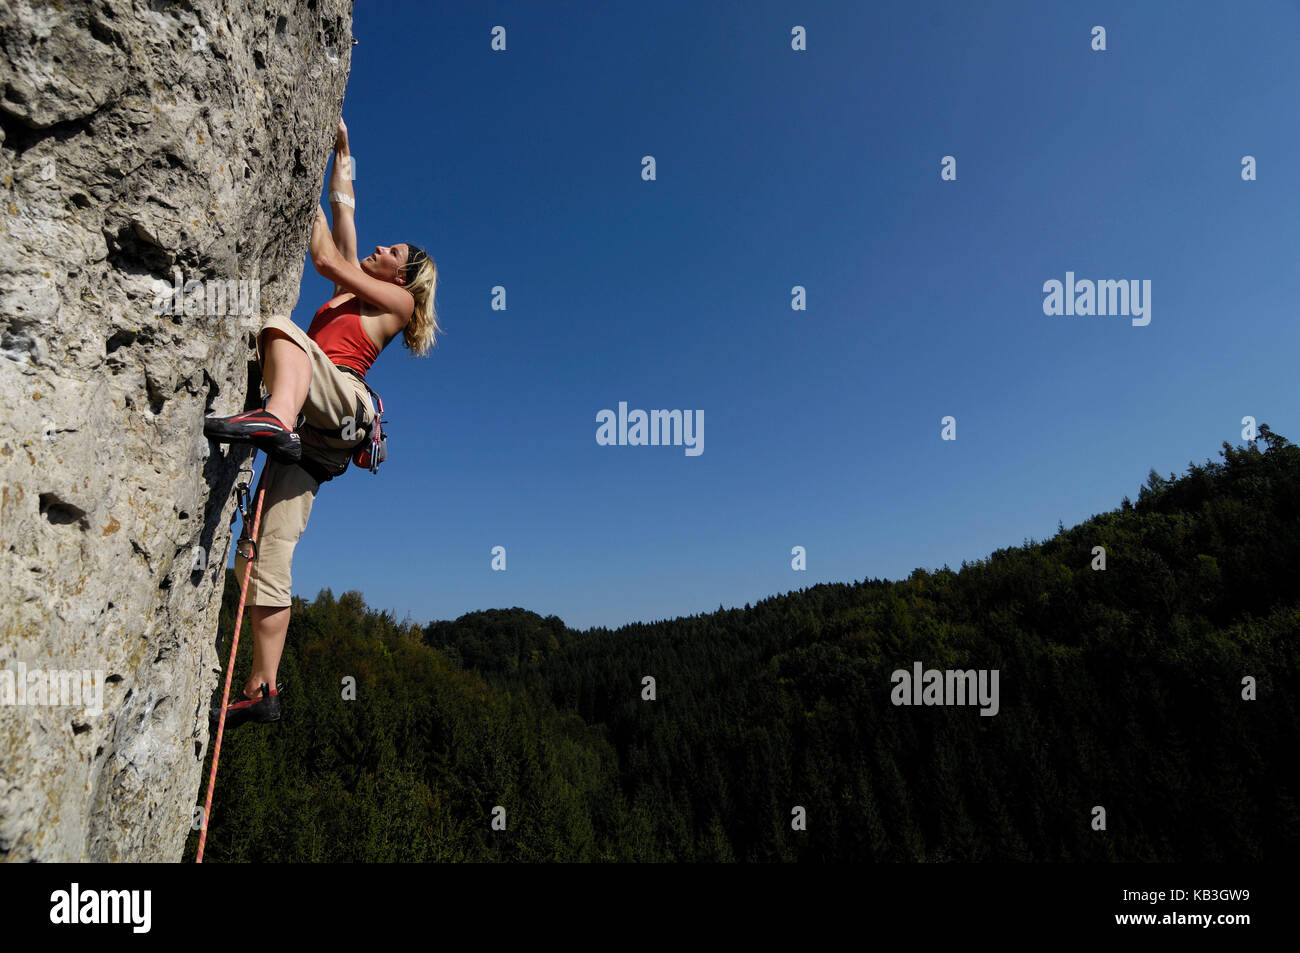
386, 324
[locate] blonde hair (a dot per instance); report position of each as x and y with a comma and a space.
420, 332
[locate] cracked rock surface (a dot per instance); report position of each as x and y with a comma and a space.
142, 147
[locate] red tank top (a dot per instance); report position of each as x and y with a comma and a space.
339, 333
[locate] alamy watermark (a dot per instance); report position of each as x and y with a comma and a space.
129, 907
54, 687
949, 687
656, 428
214, 297
1102, 297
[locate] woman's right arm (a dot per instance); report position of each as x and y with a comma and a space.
347, 276
341, 194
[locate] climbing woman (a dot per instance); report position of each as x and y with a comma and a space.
319, 409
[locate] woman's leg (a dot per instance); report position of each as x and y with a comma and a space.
287, 493
270, 625
286, 373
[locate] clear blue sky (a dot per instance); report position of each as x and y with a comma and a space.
822, 169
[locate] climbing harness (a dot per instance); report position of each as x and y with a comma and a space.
241, 502
369, 453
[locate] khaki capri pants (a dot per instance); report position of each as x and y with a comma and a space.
289, 489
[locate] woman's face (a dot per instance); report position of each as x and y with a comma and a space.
386, 262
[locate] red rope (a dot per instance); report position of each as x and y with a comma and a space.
230, 674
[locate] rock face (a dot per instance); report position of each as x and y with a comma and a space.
139, 142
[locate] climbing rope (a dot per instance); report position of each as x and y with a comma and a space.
242, 502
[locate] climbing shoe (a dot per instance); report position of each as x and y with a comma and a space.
263, 430
263, 709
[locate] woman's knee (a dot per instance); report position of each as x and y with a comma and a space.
296, 356
270, 333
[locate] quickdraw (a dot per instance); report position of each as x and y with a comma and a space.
241, 507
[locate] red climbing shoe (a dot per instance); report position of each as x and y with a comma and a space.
262, 429
263, 709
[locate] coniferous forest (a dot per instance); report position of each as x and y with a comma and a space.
1127, 688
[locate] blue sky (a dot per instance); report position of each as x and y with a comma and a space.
820, 168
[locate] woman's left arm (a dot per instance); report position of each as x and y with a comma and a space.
342, 198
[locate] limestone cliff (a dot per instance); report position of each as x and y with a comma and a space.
140, 143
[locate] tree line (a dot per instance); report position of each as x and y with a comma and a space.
1127, 688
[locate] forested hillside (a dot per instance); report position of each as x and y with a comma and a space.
1120, 688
